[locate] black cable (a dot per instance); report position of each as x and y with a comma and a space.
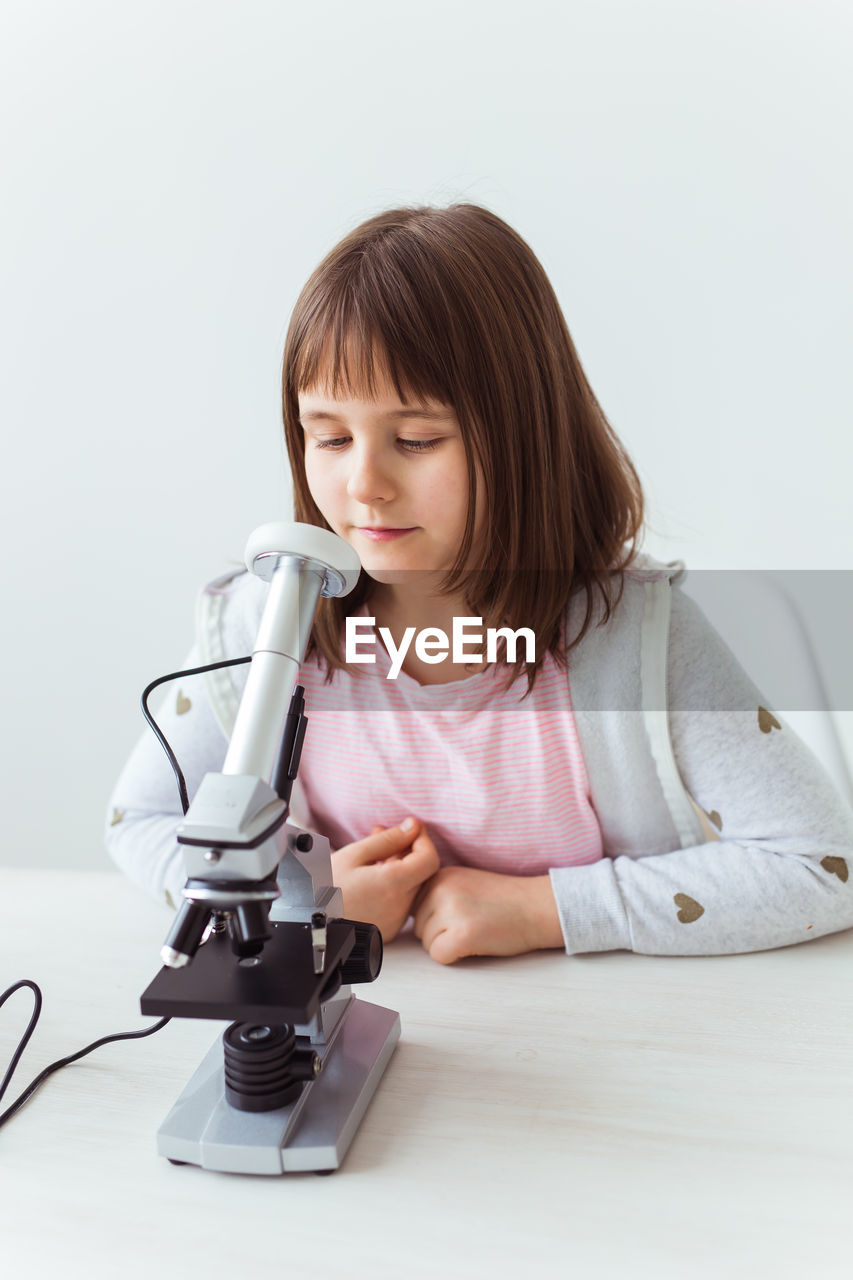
25, 982
176, 675
63, 1062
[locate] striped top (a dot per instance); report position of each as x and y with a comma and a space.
499, 782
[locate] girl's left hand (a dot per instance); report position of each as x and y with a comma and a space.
461, 911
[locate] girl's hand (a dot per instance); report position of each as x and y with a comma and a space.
465, 912
380, 875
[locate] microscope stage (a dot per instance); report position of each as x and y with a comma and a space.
278, 986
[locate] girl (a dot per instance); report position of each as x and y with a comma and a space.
438, 419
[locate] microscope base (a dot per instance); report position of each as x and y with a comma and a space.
312, 1133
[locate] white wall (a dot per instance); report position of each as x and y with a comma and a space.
172, 171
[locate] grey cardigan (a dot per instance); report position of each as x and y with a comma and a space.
721, 830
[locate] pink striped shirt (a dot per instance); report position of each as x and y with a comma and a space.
500, 783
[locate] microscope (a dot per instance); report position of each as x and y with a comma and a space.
260, 937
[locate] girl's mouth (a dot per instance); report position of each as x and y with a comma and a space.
384, 535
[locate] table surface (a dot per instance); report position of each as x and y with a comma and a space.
613, 1115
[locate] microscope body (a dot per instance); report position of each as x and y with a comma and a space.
260, 937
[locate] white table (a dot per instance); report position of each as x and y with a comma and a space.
603, 1116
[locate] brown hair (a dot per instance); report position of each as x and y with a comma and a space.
452, 305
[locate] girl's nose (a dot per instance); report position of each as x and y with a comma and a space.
370, 480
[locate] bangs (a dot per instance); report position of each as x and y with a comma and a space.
360, 331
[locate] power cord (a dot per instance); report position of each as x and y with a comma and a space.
25, 982
161, 737
63, 1062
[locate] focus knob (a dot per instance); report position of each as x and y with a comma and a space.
365, 959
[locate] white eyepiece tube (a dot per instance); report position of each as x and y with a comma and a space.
301, 562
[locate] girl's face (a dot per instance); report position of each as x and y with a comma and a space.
390, 478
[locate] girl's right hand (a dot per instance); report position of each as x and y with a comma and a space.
380, 875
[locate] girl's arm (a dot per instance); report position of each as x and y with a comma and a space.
782, 869
144, 809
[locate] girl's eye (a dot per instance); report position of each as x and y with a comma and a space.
416, 446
